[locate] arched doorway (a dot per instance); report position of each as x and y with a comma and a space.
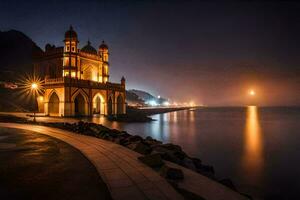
53, 105
98, 104
97, 108
79, 105
109, 106
120, 103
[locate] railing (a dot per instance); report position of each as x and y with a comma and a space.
83, 83
54, 80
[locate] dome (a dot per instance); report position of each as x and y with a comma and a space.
71, 33
103, 46
89, 49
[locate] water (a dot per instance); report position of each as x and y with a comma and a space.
258, 148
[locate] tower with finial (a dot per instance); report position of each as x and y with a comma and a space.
123, 81
103, 51
71, 41
70, 53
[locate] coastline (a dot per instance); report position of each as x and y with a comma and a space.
143, 114
155, 153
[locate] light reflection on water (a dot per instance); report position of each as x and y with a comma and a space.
252, 146
253, 159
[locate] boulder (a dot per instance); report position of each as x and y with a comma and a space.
142, 148
149, 140
206, 170
227, 182
188, 163
197, 162
170, 152
171, 173
152, 160
131, 145
131, 139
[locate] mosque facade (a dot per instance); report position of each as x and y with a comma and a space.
76, 81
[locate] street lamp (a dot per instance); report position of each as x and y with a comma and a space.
34, 88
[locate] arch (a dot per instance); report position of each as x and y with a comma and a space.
98, 104
80, 105
120, 105
89, 73
53, 105
109, 106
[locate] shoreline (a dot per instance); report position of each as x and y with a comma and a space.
144, 114
155, 153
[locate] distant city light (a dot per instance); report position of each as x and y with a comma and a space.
166, 103
192, 103
158, 96
152, 103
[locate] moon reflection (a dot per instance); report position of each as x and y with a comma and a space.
253, 146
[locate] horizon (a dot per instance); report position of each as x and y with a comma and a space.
211, 58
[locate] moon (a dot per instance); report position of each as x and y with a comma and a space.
252, 93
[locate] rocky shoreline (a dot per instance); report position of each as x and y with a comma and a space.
154, 152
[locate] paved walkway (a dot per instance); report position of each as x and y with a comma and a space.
125, 176
128, 178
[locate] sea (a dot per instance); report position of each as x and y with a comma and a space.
258, 148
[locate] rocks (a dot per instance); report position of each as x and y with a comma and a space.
142, 148
153, 160
188, 163
206, 170
171, 173
147, 146
227, 182
170, 152
149, 140
197, 162
130, 117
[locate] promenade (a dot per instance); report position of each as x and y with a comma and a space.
128, 178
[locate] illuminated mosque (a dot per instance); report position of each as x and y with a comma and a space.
76, 81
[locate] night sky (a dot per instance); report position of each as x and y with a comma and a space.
208, 52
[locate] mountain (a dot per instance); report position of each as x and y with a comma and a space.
145, 96
17, 52
133, 99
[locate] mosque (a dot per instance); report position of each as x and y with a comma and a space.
76, 81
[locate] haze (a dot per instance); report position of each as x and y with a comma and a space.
208, 52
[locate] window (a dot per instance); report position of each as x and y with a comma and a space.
68, 48
73, 49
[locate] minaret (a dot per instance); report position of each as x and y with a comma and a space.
70, 53
103, 52
123, 81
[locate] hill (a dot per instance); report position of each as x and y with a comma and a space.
17, 52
